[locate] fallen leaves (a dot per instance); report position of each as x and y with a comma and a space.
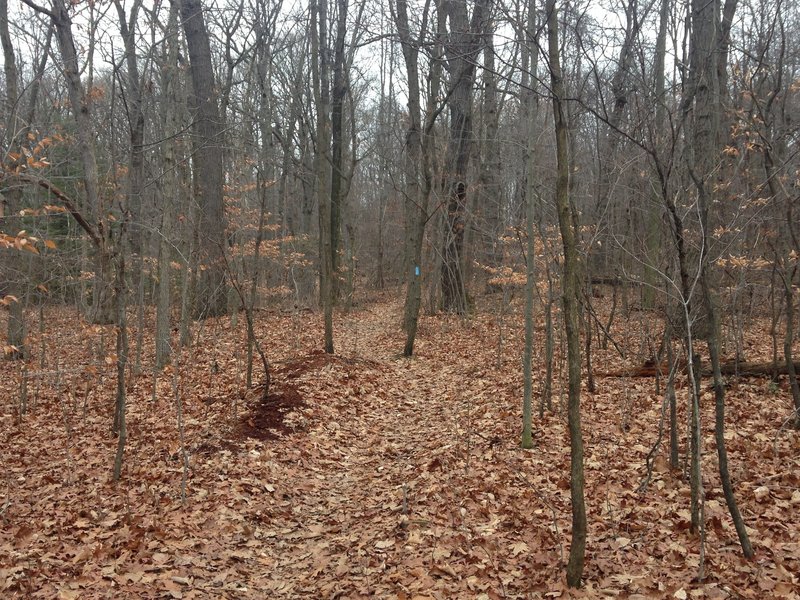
383, 477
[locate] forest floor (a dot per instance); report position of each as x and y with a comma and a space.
368, 475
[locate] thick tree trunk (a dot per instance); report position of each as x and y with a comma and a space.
465, 39
207, 177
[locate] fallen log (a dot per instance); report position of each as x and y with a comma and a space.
743, 369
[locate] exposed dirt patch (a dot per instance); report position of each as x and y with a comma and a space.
266, 419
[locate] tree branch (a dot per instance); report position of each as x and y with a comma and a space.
41, 9
62, 197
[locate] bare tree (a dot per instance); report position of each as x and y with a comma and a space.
709, 49
570, 290
465, 36
207, 173
320, 67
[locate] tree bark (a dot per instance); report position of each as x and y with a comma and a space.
709, 36
464, 42
570, 287
418, 159
103, 287
10, 200
338, 93
489, 193
207, 173
530, 65
320, 68
169, 188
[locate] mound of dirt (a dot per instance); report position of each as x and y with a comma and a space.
266, 419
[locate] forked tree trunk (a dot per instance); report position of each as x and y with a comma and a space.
418, 159
465, 40
709, 39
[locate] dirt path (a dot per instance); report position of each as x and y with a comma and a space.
374, 460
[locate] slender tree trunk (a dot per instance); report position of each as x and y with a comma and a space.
16, 311
489, 196
338, 94
120, 421
531, 112
673, 408
652, 227
788, 342
102, 291
570, 287
136, 121
169, 191
418, 159
322, 159
549, 347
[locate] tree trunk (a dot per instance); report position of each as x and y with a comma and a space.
418, 160
464, 41
102, 290
120, 407
654, 225
322, 160
11, 200
788, 342
530, 64
489, 196
207, 177
338, 94
708, 37
169, 190
570, 287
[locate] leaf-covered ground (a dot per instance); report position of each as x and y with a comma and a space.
369, 475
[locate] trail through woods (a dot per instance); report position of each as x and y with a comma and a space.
381, 477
